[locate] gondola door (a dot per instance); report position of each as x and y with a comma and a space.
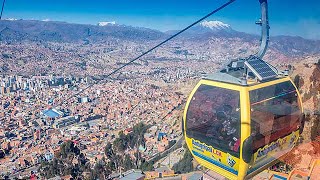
275, 113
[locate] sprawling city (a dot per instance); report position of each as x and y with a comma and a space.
64, 116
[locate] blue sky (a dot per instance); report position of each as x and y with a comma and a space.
287, 17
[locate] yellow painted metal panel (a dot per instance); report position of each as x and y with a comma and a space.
245, 127
217, 160
268, 83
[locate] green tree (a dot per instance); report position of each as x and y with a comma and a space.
108, 151
100, 170
127, 164
185, 164
146, 166
68, 148
62, 162
114, 152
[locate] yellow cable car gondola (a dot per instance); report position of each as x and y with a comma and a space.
239, 121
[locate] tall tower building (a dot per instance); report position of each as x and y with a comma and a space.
36, 135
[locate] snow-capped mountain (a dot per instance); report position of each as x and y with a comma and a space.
11, 19
215, 25
217, 28
106, 23
211, 27
35, 30
54, 31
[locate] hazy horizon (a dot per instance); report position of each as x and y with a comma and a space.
299, 19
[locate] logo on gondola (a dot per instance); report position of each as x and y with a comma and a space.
203, 147
277, 145
271, 147
231, 161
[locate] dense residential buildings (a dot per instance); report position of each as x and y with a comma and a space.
36, 119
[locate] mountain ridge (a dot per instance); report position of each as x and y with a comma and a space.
56, 31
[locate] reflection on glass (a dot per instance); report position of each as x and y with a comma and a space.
213, 118
275, 113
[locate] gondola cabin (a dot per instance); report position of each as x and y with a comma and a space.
239, 121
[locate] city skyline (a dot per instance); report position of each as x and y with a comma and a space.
298, 19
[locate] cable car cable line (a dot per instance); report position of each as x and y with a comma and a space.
153, 48
3, 3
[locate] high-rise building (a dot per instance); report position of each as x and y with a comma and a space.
36, 135
8, 89
14, 87
83, 99
3, 90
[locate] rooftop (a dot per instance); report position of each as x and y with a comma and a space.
52, 113
223, 77
132, 174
